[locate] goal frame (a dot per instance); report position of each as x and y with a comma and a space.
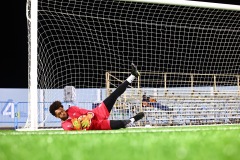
33, 48
32, 83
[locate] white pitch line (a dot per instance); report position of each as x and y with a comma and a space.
143, 130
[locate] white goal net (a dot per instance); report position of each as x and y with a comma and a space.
188, 56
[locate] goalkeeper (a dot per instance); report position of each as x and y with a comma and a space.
75, 118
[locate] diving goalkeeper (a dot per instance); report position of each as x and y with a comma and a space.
75, 118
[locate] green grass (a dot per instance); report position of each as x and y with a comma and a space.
164, 143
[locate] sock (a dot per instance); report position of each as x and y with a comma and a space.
130, 78
132, 120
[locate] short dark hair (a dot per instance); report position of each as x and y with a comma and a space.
54, 106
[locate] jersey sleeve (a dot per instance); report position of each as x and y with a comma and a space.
74, 110
67, 125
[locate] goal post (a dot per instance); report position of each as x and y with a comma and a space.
32, 20
187, 53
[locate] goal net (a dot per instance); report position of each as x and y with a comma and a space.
187, 53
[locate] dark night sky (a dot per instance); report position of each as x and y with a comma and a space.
14, 60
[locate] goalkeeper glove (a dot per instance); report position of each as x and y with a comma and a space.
76, 124
86, 120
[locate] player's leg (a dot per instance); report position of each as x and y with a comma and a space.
117, 124
111, 99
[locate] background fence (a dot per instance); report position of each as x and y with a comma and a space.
167, 112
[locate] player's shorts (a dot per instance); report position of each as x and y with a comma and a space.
101, 116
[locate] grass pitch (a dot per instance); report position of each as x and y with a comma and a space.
164, 143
